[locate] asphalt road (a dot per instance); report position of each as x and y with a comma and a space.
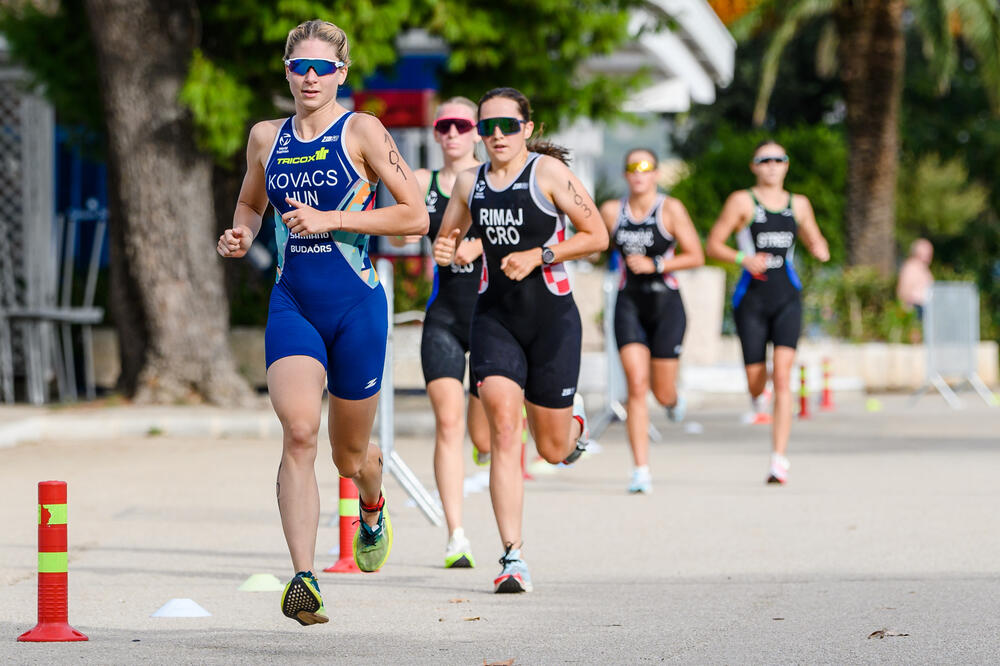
890, 522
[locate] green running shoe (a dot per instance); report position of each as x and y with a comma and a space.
302, 600
458, 554
372, 544
481, 459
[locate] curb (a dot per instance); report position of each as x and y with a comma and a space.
172, 423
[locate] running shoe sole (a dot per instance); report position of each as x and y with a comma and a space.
574, 455
459, 561
773, 479
510, 584
303, 603
374, 559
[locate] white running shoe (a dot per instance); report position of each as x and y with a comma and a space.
676, 411
642, 481
514, 576
583, 441
760, 409
458, 554
778, 472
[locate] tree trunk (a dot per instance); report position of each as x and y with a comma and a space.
124, 298
871, 55
176, 316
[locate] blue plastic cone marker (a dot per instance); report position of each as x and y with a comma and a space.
181, 608
261, 582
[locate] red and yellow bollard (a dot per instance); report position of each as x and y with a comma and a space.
350, 514
826, 397
803, 394
53, 579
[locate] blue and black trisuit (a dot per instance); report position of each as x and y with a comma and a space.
529, 330
768, 306
327, 302
648, 309
445, 337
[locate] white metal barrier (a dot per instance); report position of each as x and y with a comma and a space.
617, 389
951, 337
394, 464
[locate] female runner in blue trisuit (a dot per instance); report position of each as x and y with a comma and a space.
327, 318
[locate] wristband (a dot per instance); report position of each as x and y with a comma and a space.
739, 258
658, 263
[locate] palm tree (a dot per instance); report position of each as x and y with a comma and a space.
863, 42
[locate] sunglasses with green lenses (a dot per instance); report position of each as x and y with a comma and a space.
487, 126
321, 66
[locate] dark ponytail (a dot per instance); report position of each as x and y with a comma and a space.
524, 106
551, 149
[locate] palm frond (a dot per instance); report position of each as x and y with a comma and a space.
980, 21
826, 50
933, 18
794, 15
755, 18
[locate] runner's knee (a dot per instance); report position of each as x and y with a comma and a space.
300, 437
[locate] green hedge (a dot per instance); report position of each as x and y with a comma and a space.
858, 305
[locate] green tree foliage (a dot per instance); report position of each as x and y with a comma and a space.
869, 58
803, 95
236, 69
959, 126
858, 304
936, 199
56, 49
535, 46
220, 102
939, 23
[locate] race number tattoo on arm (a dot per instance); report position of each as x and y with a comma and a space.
394, 158
578, 199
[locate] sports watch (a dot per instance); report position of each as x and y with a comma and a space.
548, 256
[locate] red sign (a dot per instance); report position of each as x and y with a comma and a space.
397, 108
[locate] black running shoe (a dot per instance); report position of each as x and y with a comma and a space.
302, 600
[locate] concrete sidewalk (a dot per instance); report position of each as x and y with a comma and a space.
889, 522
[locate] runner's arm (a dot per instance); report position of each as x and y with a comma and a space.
681, 226
424, 181
812, 237
252, 199
456, 221
570, 196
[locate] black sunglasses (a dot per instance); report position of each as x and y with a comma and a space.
764, 159
507, 126
461, 125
